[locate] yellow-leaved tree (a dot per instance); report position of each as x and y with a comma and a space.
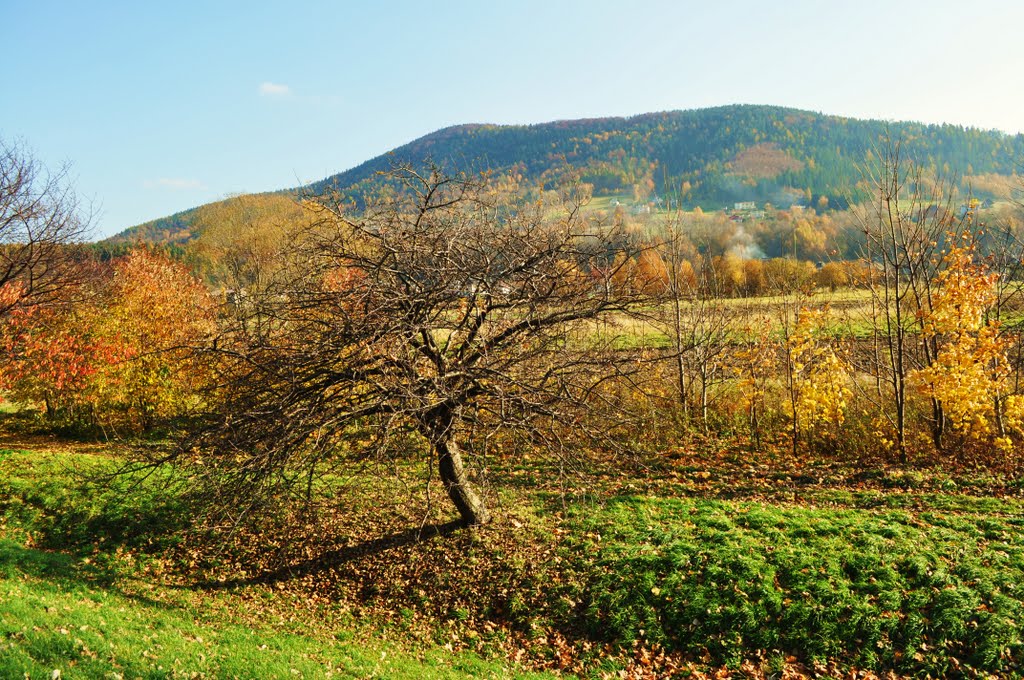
754, 363
970, 368
119, 352
820, 375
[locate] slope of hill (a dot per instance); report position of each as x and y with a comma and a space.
709, 157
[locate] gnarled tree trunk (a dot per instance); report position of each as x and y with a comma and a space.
439, 428
453, 476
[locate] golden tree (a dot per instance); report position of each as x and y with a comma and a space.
156, 313
970, 367
820, 376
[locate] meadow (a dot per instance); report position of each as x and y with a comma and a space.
706, 562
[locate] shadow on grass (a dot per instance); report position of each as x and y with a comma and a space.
86, 518
338, 557
63, 571
78, 527
17, 560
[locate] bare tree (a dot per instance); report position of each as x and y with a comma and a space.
1004, 246
699, 324
904, 233
40, 218
446, 311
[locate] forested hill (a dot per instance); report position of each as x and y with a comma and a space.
708, 157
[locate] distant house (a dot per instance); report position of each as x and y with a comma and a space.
744, 205
932, 212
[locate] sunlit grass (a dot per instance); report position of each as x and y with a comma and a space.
82, 592
928, 590
914, 574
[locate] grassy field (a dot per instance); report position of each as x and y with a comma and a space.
57, 617
706, 562
850, 314
84, 593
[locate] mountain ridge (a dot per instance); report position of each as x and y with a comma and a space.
708, 157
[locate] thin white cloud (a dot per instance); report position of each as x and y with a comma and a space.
175, 183
269, 89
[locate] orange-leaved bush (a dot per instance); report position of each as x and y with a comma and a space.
52, 353
118, 350
159, 314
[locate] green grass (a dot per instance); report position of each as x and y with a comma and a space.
606, 202
934, 590
82, 592
915, 571
53, 619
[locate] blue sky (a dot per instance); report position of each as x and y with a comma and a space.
163, 106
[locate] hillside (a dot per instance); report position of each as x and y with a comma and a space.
708, 157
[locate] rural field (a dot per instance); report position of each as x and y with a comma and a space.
707, 561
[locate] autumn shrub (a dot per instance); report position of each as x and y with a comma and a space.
970, 366
52, 354
650, 397
757, 412
820, 376
833, 275
118, 353
856, 440
159, 314
754, 362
